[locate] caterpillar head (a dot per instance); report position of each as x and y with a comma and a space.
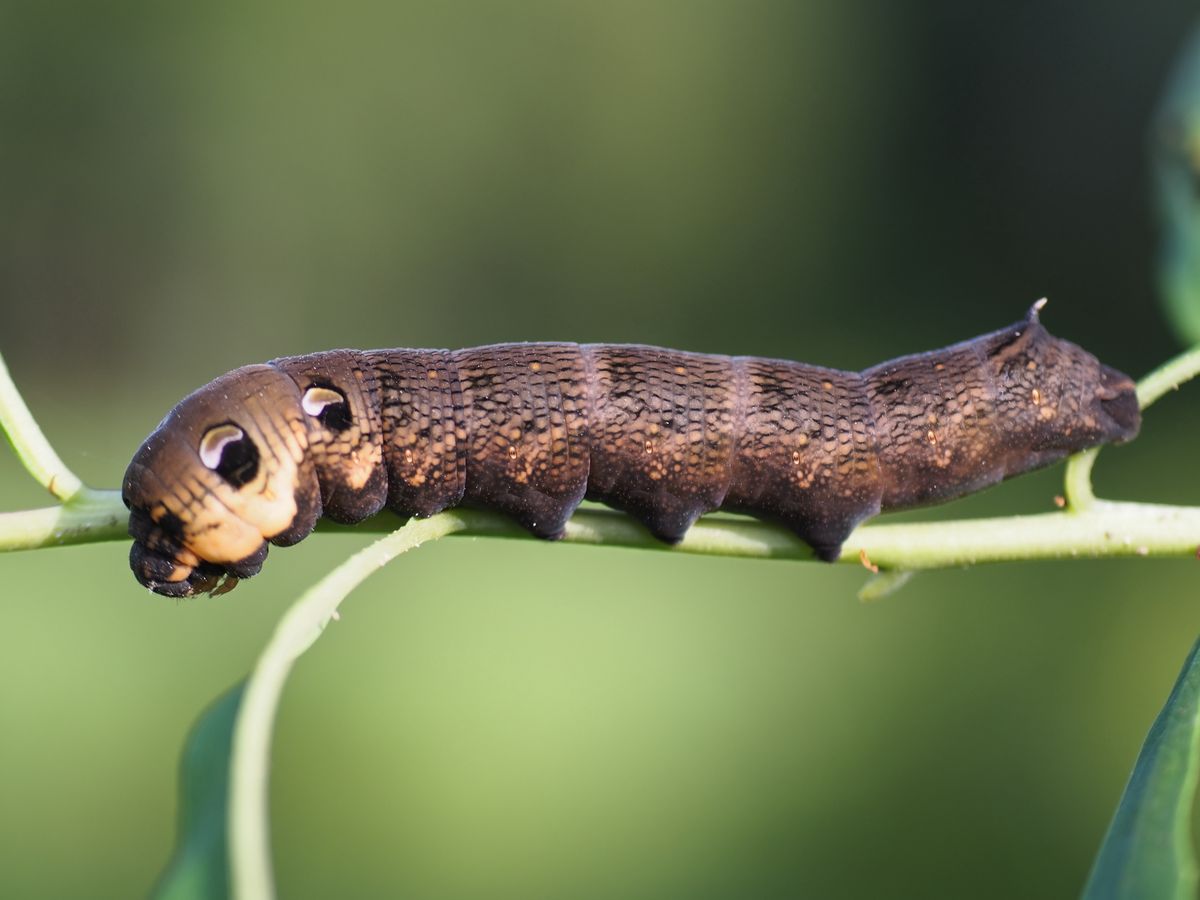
1056, 398
224, 473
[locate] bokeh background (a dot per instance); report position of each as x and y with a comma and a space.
189, 188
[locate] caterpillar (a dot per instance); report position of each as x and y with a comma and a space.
258, 455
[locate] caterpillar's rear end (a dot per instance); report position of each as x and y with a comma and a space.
257, 456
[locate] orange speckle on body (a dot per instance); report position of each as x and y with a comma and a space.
535, 367
432, 374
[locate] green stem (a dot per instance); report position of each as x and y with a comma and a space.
88, 518
1104, 529
249, 846
1077, 481
1169, 376
31, 445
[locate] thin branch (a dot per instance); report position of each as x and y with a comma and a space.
1169, 376
1077, 481
1104, 529
89, 517
302, 624
31, 445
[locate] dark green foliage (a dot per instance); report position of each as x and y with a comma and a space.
199, 870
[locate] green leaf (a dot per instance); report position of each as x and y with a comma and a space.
884, 584
200, 866
1176, 148
1147, 853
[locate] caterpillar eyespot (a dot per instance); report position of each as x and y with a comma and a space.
227, 451
316, 399
327, 405
214, 442
259, 454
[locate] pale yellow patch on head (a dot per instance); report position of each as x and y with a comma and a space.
262, 508
178, 573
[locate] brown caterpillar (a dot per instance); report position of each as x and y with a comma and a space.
261, 453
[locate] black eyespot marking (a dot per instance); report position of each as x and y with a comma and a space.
239, 461
336, 417
327, 403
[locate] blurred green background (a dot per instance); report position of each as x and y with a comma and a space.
189, 188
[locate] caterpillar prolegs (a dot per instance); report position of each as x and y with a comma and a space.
259, 454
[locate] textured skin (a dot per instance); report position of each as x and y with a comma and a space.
533, 429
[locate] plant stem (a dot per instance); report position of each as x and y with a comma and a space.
31, 445
301, 625
89, 517
1077, 481
1169, 376
1105, 528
